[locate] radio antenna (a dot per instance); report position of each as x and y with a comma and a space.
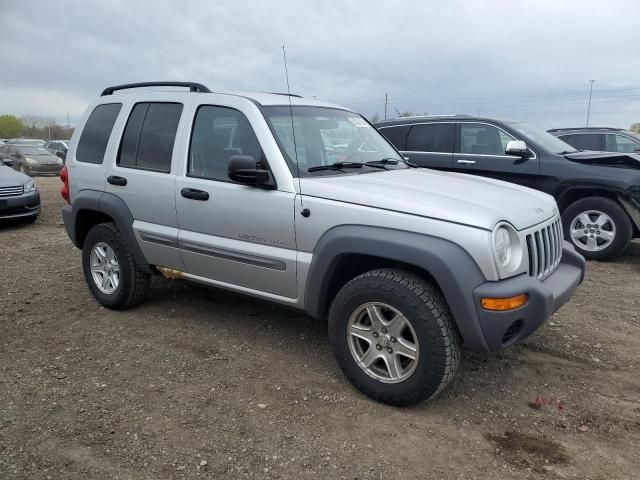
305, 212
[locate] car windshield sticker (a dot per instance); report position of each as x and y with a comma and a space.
359, 122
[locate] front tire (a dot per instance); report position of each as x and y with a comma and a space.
109, 270
598, 227
392, 334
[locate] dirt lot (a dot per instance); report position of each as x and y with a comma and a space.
201, 383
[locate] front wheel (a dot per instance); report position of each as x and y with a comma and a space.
393, 336
598, 227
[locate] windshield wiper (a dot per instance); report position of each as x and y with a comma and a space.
341, 165
391, 161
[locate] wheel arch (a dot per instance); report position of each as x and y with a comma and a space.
346, 251
91, 208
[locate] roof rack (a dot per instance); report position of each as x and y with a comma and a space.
285, 94
568, 129
193, 87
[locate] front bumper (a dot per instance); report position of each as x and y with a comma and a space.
504, 328
25, 205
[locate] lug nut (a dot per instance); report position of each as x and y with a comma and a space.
389, 350
586, 231
393, 339
588, 225
383, 330
375, 334
378, 347
598, 232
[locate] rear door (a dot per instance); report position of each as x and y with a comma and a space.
480, 150
621, 143
143, 174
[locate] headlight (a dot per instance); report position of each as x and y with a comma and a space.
30, 161
507, 247
59, 160
29, 187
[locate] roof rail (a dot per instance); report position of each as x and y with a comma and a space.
285, 94
568, 129
193, 87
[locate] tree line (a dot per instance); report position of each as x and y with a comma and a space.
33, 126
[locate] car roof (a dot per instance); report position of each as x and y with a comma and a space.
586, 129
260, 98
435, 118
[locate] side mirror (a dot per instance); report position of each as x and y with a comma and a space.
517, 148
244, 169
8, 162
637, 149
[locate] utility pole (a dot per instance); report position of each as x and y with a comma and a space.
589, 105
386, 100
68, 125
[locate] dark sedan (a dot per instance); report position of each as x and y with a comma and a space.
31, 159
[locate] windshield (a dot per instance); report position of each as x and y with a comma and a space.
544, 139
33, 150
326, 136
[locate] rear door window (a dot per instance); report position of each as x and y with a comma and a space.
148, 139
432, 137
95, 135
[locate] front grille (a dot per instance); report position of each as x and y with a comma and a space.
11, 191
545, 249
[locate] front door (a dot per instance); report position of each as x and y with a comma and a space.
480, 150
230, 234
431, 145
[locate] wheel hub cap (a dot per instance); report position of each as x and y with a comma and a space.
105, 269
592, 230
382, 342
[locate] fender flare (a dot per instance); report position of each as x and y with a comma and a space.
110, 205
452, 268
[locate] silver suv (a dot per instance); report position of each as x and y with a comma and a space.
303, 203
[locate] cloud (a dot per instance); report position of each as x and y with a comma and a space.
529, 60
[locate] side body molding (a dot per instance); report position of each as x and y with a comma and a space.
108, 204
453, 269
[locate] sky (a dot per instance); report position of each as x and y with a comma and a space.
521, 60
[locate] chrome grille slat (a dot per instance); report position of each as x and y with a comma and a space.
11, 191
544, 245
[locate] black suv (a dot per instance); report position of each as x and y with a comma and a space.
599, 139
597, 193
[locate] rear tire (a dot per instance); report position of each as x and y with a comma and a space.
105, 251
362, 317
584, 228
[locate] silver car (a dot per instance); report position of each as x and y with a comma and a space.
303, 203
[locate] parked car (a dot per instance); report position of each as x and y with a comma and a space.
31, 159
598, 193
236, 191
599, 139
27, 141
19, 196
58, 148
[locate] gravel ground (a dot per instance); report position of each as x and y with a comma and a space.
200, 383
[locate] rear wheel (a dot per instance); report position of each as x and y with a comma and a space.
598, 227
109, 270
393, 337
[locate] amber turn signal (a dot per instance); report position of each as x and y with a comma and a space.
503, 304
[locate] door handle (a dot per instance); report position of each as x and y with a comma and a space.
194, 194
115, 180
467, 162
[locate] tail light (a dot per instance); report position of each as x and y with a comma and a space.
64, 191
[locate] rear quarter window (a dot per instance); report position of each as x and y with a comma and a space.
95, 135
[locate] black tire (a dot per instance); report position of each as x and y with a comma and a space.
623, 226
134, 284
422, 304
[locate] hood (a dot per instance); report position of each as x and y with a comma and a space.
609, 159
48, 158
11, 178
454, 197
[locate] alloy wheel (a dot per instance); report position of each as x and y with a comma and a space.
383, 342
105, 269
592, 230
